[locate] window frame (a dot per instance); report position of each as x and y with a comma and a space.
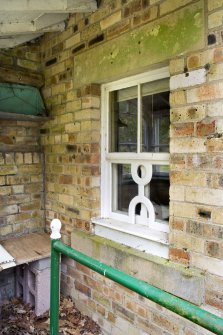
109, 158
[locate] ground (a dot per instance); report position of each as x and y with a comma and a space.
20, 319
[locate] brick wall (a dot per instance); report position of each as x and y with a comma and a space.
110, 44
21, 178
21, 160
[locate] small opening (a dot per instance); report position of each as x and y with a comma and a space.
51, 61
96, 40
204, 214
78, 48
75, 28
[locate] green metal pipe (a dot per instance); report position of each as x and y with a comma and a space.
179, 306
54, 289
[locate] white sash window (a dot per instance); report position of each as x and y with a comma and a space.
135, 162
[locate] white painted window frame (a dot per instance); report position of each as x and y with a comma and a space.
113, 224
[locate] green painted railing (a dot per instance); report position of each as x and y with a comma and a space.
179, 306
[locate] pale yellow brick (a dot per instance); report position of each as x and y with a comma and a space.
65, 138
8, 169
95, 137
217, 215
60, 67
96, 125
5, 230
73, 106
176, 65
177, 98
59, 88
57, 139
2, 180
188, 114
213, 4
18, 189
205, 196
2, 160
189, 178
9, 159
5, 190
183, 209
36, 157
187, 145
66, 199
87, 114
215, 19
72, 127
91, 102
71, 95
86, 125
110, 20
171, 5
28, 158
84, 137
183, 240
65, 118
72, 41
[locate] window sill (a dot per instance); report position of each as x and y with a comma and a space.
137, 236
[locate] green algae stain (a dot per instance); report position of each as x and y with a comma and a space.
170, 36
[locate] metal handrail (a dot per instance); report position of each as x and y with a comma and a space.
179, 306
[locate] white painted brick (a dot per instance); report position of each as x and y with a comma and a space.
210, 264
188, 79
215, 109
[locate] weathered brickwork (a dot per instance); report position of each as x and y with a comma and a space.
99, 47
21, 179
74, 69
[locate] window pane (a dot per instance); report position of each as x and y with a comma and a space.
159, 191
123, 120
124, 187
155, 122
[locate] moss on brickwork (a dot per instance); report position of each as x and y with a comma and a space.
150, 44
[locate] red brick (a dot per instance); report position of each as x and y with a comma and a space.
218, 55
182, 129
179, 255
82, 288
205, 129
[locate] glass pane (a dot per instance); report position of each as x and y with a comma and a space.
123, 120
155, 122
159, 191
124, 187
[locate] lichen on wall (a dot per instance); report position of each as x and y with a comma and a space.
153, 43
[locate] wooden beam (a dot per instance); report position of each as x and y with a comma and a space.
59, 6
22, 117
46, 23
8, 75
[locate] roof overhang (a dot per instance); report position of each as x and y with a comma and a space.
24, 20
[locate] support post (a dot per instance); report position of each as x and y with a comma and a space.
54, 278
